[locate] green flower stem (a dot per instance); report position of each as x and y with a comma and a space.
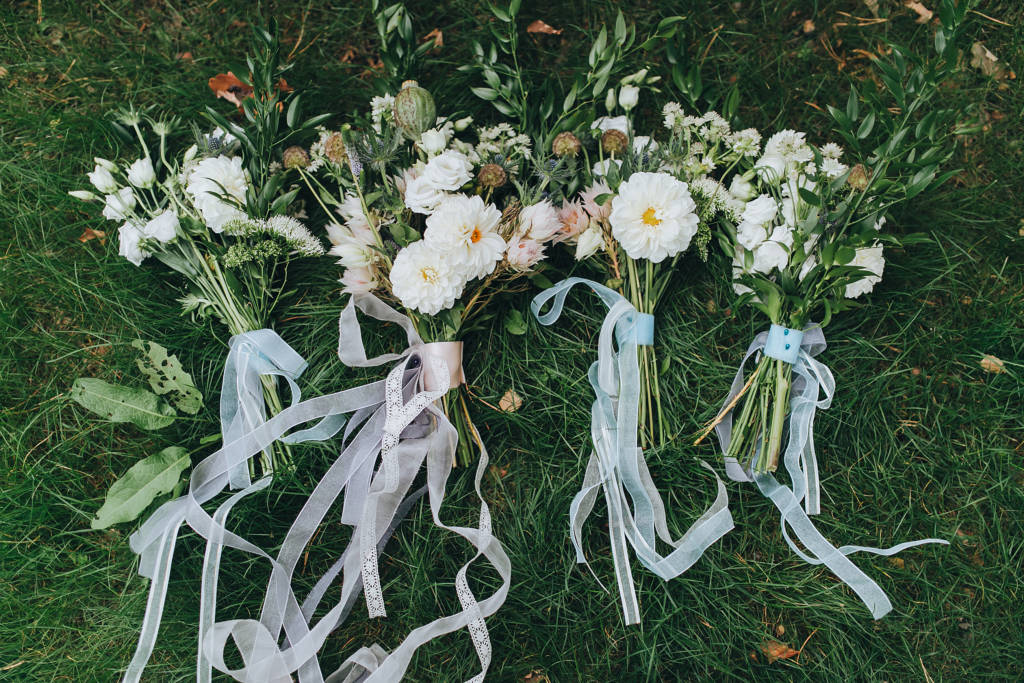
779, 413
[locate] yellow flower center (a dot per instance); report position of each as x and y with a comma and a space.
428, 274
650, 218
475, 236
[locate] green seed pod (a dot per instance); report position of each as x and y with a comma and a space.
414, 110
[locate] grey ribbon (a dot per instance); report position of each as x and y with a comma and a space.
617, 465
811, 379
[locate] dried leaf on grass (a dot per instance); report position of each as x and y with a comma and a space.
510, 402
774, 650
985, 61
924, 15
538, 26
232, 89
93, 234
990, 363
436, 36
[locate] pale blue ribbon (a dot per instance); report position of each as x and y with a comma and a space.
811, 379
617, 464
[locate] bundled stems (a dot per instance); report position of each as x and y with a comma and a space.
758, 427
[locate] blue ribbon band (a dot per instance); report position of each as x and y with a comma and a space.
783, 343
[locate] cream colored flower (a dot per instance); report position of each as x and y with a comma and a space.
653, 217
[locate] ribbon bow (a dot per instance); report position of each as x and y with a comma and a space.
617, 465
391, 417
811, 380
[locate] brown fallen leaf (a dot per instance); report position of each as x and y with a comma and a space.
510, 402
897, 562
924, 15
774, 650
229, 87
437, 36
985, 61
808, 26
538, 26
93, 234
990, 363
185, 56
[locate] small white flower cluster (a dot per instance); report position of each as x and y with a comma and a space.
502, 140
382, 109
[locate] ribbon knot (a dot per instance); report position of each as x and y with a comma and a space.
617, 465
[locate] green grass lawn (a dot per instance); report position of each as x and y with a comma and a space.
920, 441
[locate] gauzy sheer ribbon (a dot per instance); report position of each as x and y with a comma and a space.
285, 639
617, 464
812, 387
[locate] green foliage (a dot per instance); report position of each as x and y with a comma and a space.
130, 495
116, 403
166, 376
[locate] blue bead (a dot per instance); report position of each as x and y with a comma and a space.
785, 332
787, 346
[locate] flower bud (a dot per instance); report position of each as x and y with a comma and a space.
609, 100
463, 124
565, 144
614, 141
628, 96
295, 157
492, 175
84, 195
104, 163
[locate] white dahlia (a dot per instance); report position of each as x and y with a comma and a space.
466, 229
424, 279
209, 181
653, 216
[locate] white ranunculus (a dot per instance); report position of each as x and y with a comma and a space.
590, 240
209, 180
433, 141
606, 123
771, 168
163, 228
769, 256
422, 196
524, 253
870, 258
448, 171
141, 173
102, 179
424, 279
539, 221
600, 168
119, 204
629, 95
761, 210
742, 189
751, 235
653, 217
467, 230
129, 236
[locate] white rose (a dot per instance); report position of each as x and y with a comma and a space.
448, 171
433, 142
628, 96
163, 228
141, 173
760, 210
750, 235
741, 188
422, 196
119, 204
768, 256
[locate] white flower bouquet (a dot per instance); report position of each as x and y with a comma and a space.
432, 223
214, 214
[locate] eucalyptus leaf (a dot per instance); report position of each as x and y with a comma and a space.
140, 485
166, 376
142, 408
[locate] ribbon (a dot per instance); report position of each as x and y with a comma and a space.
391, 417
812, 387
617, 465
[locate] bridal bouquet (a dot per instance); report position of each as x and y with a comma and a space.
429, 222
214, 214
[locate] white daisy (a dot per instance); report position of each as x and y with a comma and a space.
424, 279
653, 216
466, 228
